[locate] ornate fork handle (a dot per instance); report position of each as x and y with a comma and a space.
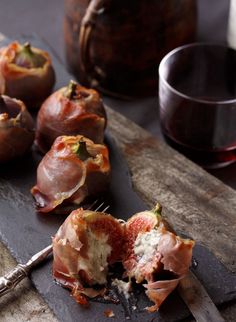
17, 274
12, 278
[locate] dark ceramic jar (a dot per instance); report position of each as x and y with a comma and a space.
116, 46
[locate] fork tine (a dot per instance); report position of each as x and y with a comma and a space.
100, 206
92, 206
97, 206
105, 209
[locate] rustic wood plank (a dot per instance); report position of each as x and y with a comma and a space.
194, 202
197, 300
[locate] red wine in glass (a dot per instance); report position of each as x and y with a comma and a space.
197, 98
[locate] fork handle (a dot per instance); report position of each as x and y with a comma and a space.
12, 278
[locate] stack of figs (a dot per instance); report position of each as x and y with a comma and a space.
69, 128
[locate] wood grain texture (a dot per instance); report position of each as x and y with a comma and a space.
194, 202
197, 300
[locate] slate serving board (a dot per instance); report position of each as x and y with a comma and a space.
25, 232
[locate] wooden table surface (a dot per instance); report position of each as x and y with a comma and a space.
193, 200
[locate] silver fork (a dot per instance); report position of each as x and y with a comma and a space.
18, 273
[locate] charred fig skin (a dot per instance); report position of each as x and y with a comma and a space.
72, 110
26, 73
16, 129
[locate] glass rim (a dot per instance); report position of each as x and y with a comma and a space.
181, 94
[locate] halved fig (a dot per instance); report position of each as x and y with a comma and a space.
26, 73
71, 110
16, 128
72, 170
88, 242
83, 248
155, 255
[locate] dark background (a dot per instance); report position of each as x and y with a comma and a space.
45, 17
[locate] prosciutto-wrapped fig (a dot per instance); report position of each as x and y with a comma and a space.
83, 248
26, 73
155, 255
16, 128
72, 170
71, 110
88, 242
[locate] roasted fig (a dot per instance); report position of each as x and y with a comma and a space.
72, 170
88, 242
26, 73
71, 110
154, 255
83, 248
16, 128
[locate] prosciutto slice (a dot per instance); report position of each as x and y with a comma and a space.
83, 247
72, 170
88, 242
71, 110
16, 128
155, 255
28, 76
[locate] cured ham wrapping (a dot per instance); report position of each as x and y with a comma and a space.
16, 129
26, 73
155, 255
150, 253
83, 248
71, 110
72, 170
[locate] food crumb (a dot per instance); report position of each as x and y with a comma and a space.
109, 313
123, 287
